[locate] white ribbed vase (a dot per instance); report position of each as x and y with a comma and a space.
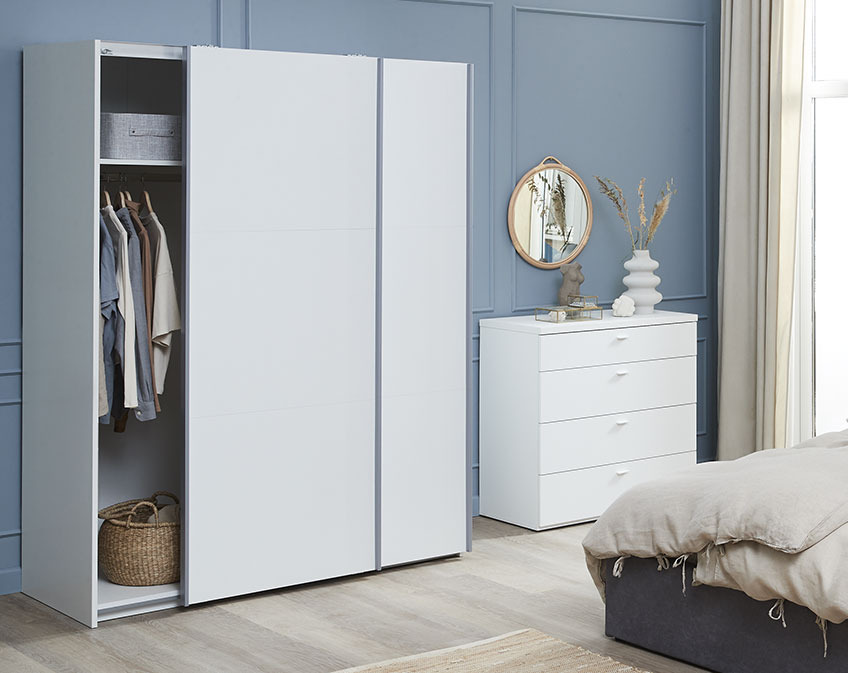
641, 282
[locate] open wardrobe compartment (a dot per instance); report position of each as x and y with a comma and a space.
307, 322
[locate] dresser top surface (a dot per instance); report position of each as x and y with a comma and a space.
529, 324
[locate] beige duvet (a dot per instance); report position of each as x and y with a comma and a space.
771, 524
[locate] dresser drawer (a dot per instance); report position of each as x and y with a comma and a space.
608, 346
597, 391
602, 440
581, 495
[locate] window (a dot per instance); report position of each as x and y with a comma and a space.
823, 247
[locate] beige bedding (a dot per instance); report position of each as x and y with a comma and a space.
815, 578
771, 524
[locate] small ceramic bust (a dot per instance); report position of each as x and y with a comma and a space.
623, 307
572, 276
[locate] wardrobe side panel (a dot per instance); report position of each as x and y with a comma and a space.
60, 326
424, 311
281, 319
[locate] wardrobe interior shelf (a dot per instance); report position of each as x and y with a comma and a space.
116, 600
139, 162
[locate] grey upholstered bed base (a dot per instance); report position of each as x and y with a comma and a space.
718, 629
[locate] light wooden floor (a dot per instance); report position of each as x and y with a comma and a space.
513, 579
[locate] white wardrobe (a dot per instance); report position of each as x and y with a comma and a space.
314, 423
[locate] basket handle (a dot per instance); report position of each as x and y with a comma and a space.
168, 493
139, 504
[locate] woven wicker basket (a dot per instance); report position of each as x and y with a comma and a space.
135, 553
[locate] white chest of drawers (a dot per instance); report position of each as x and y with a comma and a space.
573, 414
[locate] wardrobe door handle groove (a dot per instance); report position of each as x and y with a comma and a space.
622, 372
622, 421
621, 473
622, 337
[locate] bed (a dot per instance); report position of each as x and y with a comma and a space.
715, 628
736, 567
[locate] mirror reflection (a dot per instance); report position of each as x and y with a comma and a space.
550, 215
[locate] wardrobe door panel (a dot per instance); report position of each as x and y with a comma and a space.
432, 357
309, 342
423, 476
281, 319
60, 326
424, 311
287, 505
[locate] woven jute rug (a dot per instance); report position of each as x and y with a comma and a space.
525, 651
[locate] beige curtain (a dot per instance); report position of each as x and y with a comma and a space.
761, 80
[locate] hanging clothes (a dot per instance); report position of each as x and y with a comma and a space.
109, 318
125, 389
133, 209
146, 408
166, 307
102, 394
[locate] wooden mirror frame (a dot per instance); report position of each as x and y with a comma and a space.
549, 162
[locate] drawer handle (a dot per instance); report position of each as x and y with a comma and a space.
622, 372
621, 337
622, 421
621, 473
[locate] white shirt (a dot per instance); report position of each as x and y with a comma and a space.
166, 306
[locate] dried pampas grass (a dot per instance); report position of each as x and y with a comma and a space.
660, 209
613, 192
646, 229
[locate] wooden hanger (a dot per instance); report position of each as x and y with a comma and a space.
121, 180
139, 227
107, 201
146, 196
147, 201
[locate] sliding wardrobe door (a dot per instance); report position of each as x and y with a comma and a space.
281, 319
424, 314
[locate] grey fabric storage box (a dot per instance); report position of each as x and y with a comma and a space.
140, 136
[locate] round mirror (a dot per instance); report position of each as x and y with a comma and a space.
550, 215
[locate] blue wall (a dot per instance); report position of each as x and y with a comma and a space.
624, 88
